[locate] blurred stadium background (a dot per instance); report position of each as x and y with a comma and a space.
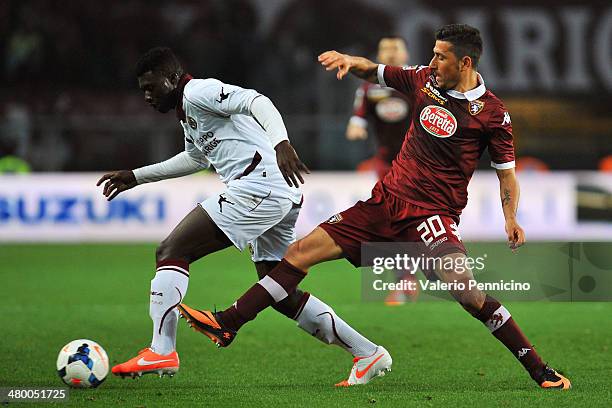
70, 109
70, 103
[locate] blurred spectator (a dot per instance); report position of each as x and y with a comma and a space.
24, 48
605, 164
9, 162
382, 111
530, 163
17, 129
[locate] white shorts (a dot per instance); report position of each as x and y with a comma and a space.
265, 224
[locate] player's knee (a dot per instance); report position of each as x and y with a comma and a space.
297, 256
472, 302
165, 250
293, 250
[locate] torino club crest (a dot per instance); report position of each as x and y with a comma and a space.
476, 107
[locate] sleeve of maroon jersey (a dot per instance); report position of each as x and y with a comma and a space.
404, 79
360, 106
501, 141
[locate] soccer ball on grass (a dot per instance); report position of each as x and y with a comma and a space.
82, 364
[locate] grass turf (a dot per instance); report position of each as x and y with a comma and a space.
442, 357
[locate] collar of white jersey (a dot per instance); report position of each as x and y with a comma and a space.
472, 94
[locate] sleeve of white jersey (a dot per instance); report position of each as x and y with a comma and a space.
214, 96
183, 164
270, 119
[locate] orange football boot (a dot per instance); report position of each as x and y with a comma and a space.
148, 362
552, 379
209, 324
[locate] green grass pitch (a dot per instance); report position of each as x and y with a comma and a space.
52, 294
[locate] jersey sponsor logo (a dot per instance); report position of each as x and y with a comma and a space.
438, 121
433, 93
334, 219
207, 142
476, 107
204, 137
392, 109
416, 68
222, 96
192, 122
506, 120
207, 150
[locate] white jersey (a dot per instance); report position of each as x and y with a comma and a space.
220, 130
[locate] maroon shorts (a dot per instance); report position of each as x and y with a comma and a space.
387, 218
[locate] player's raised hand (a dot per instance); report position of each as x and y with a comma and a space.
116, 182
334, 60
516, 235
290, 164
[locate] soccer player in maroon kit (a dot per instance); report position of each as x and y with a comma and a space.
382, 111
454, 119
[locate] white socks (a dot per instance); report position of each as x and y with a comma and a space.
321, 321
168, 289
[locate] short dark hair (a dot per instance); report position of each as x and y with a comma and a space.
465, 39
159, 59
392, 36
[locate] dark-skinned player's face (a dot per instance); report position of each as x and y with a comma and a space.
447, 67
159, 90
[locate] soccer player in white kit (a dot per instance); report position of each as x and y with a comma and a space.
241, 134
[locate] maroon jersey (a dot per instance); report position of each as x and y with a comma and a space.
448, 133
387, 110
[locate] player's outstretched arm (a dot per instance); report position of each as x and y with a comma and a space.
116, 182
180, 165
360, 67
510, 193
290, 165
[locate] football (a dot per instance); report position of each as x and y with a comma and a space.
82, 364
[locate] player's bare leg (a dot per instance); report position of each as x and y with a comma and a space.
276, 289
499, 321
194, 237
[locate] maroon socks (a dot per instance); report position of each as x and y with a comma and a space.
497, 318
271, 289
